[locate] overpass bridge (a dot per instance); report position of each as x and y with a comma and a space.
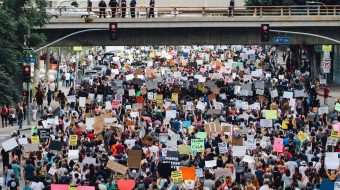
200, 26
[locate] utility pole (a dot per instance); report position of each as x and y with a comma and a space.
47, 65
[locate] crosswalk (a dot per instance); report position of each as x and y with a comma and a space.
5, 136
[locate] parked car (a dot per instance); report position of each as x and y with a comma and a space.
69, 11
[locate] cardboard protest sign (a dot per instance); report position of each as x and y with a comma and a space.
134, 158
73, 141
222, 172
9, 144
223, 147
278, 145
197, 145
189, 173
271, 114
56, 145
31, 147
212, 127
177, 177
116, 167
184, 149
35, 140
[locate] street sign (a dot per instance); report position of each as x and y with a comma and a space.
31, 59
283, 40
326, 64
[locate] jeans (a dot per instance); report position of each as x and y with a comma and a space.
20, 123
4, 120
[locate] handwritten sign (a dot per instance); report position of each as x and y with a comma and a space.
73, 140
197, 145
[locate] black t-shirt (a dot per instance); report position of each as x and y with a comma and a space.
5, 156
13, 184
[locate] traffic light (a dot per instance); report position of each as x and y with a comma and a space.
25, 93
264, 32
113, 31
26, 73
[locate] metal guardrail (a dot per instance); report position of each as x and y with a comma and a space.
140, 12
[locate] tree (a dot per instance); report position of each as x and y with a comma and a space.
17, 23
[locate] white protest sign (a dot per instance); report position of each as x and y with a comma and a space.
108, 105
73, 154
170, 113
23, 141
323, 110
210, 163
89, 123
223, 147
9, 144
82, 101
71, 99
332, 160
132, 92
274, 93
287, 94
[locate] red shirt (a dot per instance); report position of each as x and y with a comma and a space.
120, 149
91, 136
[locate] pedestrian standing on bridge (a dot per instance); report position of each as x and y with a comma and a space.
231, 8
102, 6
123, 5
152, 9
113, 4
89, 5
133, 8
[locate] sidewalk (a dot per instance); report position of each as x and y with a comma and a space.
54, 105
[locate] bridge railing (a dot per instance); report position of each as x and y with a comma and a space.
256, 11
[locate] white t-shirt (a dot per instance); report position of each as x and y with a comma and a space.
67, 76
37, 185
130, 143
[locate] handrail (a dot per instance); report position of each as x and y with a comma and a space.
320, 10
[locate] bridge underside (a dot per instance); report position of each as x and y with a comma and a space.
188, 36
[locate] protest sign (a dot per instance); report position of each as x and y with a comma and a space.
323, 110
332, 141
171, 114
299, 93
332, 160
212, 127
271, 114
73, 141
274, 93
337, 107
31, 147
251, 143
266, 123
184, 149
172, 157
23, 141
134, 158
71, 99
177, 177
189, 173
201, 135
116, 167
44, 133
35, 140
82, 101
56, 145
287, 94
222, 172
223, 148
335, 134
278, 145
186, 124
197, 145
73, 154
210, 163
9, 144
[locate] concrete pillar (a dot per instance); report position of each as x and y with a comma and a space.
336, 64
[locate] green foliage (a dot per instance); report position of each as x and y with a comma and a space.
18, 19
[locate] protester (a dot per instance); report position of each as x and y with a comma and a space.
123, 6
133, 8
152, 9
102, 13
113, 4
